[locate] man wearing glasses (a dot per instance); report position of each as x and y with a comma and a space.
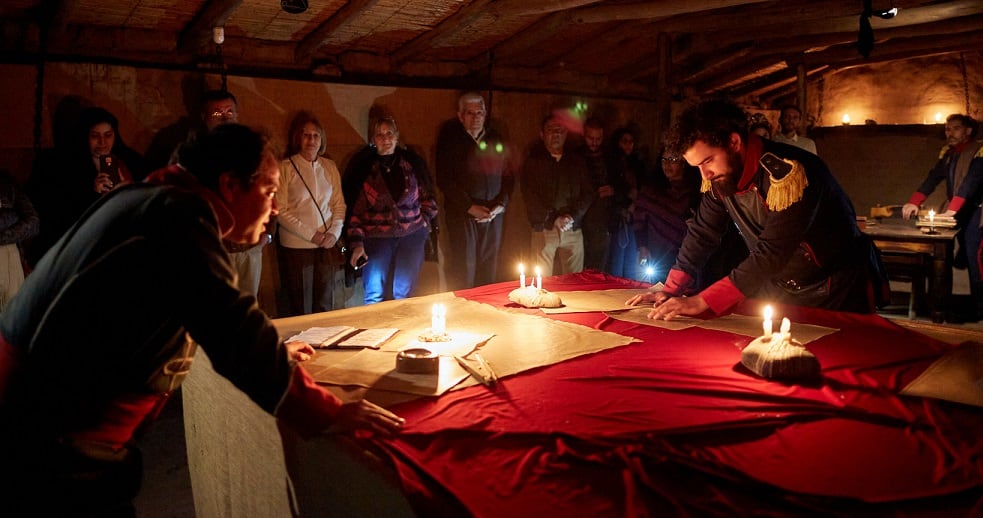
220, 107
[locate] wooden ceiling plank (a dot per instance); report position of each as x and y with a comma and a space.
449, 27
604, 42
214, 14
60, 12
313, 41
531, 36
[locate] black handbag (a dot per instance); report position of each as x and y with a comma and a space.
431, 248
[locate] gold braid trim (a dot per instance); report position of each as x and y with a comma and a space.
705, 186
783, 193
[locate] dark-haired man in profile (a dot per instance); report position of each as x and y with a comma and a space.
799, 226
105, 328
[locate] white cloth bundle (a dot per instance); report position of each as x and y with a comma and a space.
532, 297
774, 357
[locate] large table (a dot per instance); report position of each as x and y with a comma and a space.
671, 424
933, 250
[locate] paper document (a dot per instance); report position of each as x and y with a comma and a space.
372, 338
324, 336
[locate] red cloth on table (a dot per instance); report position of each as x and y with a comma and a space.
677, 424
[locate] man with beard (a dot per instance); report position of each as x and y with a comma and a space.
799, 226
960, 165
597, 237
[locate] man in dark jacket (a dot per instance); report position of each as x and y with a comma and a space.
474, 175
799, 225
557, 191
105, 328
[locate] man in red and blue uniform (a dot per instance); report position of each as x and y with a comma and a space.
800, 227
960, 165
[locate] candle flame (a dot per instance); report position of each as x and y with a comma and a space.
769, 312
786, 326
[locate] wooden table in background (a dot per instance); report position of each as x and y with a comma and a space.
896, 237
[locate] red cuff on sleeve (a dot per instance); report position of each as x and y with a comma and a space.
307, 407
722, 295
917, 198
677, 282
956, 203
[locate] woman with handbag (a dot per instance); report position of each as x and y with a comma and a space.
312, 213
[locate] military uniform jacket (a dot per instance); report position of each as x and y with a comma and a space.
805, 249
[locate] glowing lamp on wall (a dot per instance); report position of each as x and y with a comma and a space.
846, 119
938, 117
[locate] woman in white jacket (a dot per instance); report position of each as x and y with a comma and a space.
312, 212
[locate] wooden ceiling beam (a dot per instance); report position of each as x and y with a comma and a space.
214, 14
539, 7
804, 17
785, 80
342, 17
792, 49
450, 26
891, 50
651, 10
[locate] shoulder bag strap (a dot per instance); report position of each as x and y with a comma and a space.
314, 201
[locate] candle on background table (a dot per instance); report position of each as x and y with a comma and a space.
522, 276
438, 319
786, 329
539, 278
766, 325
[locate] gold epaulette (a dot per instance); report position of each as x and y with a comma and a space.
979, 152
705, 185
785, 191
945, 149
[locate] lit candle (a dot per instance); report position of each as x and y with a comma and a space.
522, 276
438, 319
846, 118
767, 322
539, 278
931, 216
786, 329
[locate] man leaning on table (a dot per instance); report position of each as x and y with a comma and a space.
960, 164
105, 328
799, 226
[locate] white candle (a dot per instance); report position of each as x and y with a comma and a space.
786, 329
522, 276
539, 279
931, 216
767, 323
438, 319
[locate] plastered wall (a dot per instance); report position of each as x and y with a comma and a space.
155, 108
